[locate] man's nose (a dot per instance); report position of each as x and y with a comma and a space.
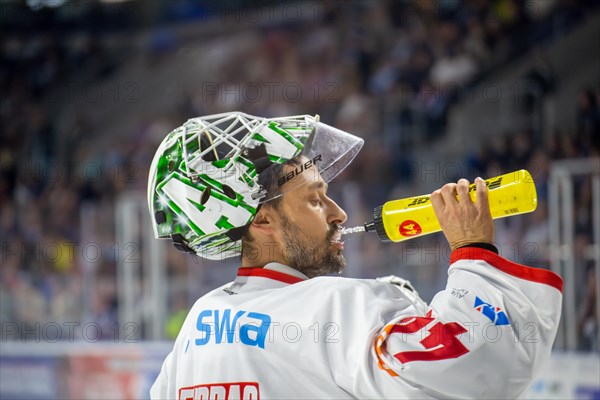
336, 215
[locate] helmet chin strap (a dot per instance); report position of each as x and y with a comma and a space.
236, 234
260, 159
258, 156
181, 244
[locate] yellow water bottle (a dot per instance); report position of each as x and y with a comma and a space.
397, 220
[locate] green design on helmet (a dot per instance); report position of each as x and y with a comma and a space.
203, 185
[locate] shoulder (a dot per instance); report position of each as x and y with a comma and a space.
216, 296
336, 284
349, 290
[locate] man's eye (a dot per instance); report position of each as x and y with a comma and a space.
316, 202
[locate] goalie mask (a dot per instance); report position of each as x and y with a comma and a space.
210, 175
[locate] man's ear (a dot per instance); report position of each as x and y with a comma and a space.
264, 220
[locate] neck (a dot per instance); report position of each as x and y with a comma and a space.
260, 254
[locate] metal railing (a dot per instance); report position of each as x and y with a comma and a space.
141, 282
562, 239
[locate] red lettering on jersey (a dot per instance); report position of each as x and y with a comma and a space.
221, 391
442, 342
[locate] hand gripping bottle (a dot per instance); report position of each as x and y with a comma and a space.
397, 220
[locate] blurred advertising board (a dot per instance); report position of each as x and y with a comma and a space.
36, 371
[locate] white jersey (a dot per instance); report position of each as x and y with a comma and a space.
274, 334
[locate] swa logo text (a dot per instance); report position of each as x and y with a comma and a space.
223, 326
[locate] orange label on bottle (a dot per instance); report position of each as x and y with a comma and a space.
410, 228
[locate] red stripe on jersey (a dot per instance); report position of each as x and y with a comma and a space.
270, 274
520, 271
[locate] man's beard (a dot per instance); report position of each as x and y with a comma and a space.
311, 257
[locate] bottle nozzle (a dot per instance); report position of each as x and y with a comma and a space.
370, 227
377, 225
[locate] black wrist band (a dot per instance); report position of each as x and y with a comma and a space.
481, 245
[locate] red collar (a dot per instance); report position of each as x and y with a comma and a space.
270, 274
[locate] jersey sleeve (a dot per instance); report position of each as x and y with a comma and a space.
484, 336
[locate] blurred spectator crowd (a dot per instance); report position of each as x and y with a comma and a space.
371, 68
